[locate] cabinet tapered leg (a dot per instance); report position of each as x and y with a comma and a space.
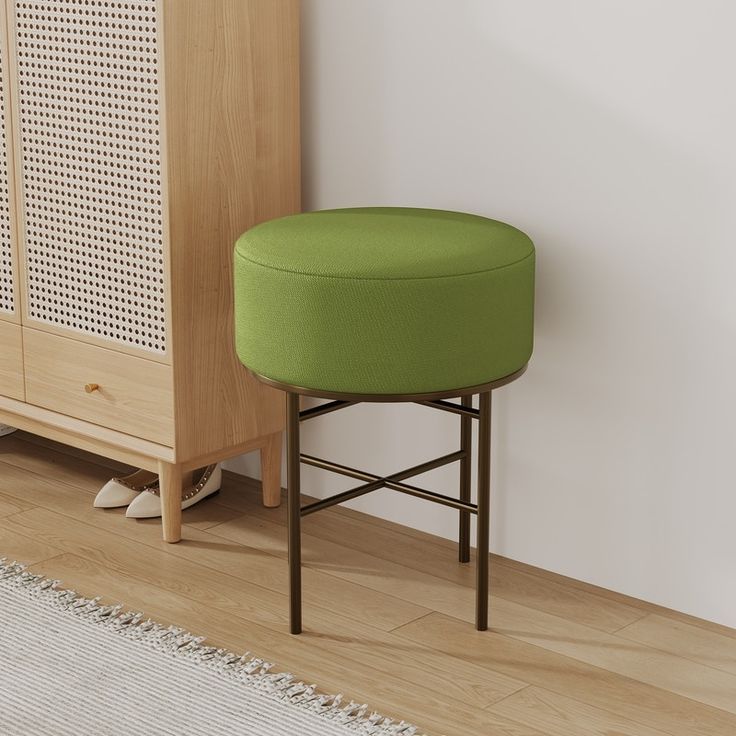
170, 482
271, 470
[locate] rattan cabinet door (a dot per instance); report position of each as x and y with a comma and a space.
8, 255
88, 124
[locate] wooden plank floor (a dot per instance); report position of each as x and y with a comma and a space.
388, 610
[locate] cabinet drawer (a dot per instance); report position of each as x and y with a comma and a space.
11, 360
115, 390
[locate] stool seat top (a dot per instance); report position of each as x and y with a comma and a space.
384, 301
384, 243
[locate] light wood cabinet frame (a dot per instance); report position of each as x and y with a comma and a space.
228, 80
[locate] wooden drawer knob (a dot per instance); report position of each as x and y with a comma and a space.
90, 387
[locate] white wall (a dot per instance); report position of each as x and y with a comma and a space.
606, 131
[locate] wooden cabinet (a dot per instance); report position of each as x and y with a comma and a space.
139, 139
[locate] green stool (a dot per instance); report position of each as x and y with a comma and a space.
387, 304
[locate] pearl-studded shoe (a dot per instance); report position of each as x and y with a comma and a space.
121, 491
148, 504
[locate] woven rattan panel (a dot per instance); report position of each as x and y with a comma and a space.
89, 127
7, 296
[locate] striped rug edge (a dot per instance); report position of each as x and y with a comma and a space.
251, 671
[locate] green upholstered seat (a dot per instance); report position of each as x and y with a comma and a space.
384, 300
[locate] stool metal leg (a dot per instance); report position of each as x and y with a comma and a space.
466, 444
484, 510
396, 482
293, 483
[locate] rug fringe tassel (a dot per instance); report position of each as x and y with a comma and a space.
251, 671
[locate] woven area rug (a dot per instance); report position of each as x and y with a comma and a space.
71, 667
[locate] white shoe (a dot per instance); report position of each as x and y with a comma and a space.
121, 491
148, 504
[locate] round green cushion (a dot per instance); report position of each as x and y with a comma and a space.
384, 300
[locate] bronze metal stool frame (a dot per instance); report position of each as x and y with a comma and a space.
395, 481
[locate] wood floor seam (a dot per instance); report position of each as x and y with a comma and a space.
583, 704
41, 477
490, 706
413, 621
631, 623
647, 607
16, 513
700, 663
